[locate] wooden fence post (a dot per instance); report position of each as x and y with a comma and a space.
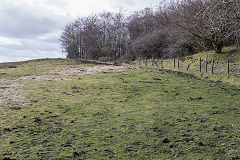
174, 62
152, 61
228, 67
178, 63
200, 65
156, 62
212, 66
161, 62
206, 66
139, 61
146, 61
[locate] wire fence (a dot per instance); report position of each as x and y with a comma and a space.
203, 66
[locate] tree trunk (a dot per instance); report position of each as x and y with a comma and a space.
219, 47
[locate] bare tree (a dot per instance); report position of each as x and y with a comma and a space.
96, 36
69, 41
177, 28
212, 21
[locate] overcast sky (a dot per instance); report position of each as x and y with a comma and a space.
30, 29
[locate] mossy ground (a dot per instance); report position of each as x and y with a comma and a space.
129, 114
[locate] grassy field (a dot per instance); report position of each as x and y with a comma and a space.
115, 113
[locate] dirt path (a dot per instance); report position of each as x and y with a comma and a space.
87, 70
8, 87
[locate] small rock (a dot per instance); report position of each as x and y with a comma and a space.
171, 146
16, 108
75, 87
199, 98
38, 120
200, 144
129, 149
66, 145
79, 153
166, 140
194, 99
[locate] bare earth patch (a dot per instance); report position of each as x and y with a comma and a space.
42, 78
9, 93
87, 70
8, 87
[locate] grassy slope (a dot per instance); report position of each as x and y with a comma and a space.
132, 114
228, 53
220, 67
231, 53
41, 67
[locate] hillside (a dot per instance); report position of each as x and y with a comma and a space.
190, 65
219, 67
229, 53
67, 109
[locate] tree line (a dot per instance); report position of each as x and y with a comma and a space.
175, 28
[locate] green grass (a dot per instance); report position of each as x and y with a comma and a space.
231, 53
42, 67
220, 65
130, 114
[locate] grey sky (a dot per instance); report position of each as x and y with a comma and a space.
30, 29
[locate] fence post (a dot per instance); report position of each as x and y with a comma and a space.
174, 62
146, 61
139, 61
200, 65
206, 66
212, 66
161, 62
156, 62
228, 67
152, 61
178, 63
